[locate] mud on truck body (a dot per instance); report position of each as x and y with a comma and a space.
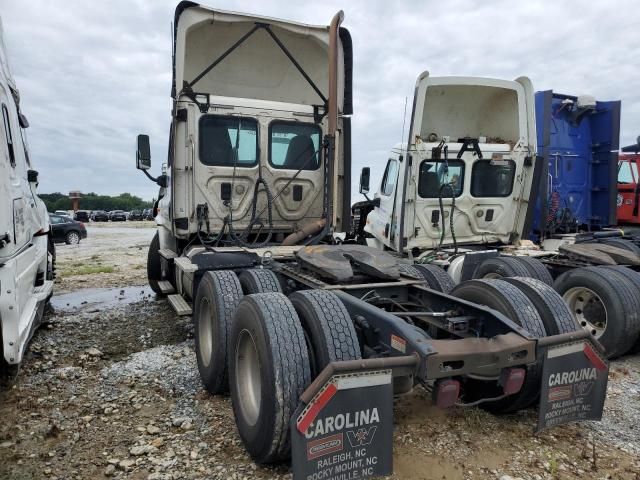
295, 325
26, 248
462, 195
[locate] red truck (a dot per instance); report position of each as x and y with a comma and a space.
628, 199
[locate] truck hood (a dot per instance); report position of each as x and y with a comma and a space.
202, 35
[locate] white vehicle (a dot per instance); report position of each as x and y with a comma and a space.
466, 174
26, 250
461, 194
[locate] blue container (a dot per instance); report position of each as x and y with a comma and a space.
578, 139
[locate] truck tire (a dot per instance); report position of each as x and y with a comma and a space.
606, 303
634, 277
328, 328
8, 372
536, 269
436, 277
506, 299
499, 267
513, 303
72, 238
259, 280
154, 265
218, 295
269, 370
621, 243
555, 313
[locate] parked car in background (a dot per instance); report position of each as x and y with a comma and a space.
99, 216
117, 216
135, 215
61, 212
147, 214
81, 216
67, 230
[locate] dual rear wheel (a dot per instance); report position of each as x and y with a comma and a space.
266, 348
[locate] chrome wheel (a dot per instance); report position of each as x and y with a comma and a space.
73, 238
588, 309
205, 332
248, 380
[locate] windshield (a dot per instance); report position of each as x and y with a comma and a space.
625, 173
219, 139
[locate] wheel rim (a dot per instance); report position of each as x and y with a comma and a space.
492, 276
73, 238
205, 332
588, 309
248, 380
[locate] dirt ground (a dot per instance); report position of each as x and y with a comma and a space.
110, 389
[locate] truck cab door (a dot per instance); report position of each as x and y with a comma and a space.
382, 221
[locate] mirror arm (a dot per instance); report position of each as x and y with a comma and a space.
161, 180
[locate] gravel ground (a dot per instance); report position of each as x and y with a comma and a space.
110, 389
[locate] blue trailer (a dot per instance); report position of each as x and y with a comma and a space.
578, 138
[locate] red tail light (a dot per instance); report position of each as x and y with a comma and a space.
446, 393
512, 380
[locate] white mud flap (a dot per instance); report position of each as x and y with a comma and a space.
574, 385
346, 430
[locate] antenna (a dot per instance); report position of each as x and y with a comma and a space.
404, 119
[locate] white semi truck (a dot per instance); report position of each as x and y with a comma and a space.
301, 329
26, 249
461, 194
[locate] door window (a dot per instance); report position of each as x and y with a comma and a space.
434, 174
294, 145
491, 178
7, 131
389, 178
219, 137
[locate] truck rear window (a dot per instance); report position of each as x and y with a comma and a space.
294, 145
218, 138
435, 174
491, 178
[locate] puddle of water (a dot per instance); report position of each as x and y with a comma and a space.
100, 298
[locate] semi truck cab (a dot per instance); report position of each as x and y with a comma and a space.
465, 174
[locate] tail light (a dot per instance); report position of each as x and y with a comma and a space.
512, 380
446, 393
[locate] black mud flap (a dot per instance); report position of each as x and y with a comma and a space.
346, 430
574, 385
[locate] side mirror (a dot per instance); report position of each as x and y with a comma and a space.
365, 175
22, 120
143, 154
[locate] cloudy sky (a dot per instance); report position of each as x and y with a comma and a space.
93, 75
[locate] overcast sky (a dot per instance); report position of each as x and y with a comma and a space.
92, 75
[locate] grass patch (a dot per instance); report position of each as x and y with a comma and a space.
88, 270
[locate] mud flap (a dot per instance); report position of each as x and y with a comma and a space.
574, 385
346, 430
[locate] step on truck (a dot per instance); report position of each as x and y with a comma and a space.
464, 193
27, 252
312, 337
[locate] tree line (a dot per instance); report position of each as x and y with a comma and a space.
93, 201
